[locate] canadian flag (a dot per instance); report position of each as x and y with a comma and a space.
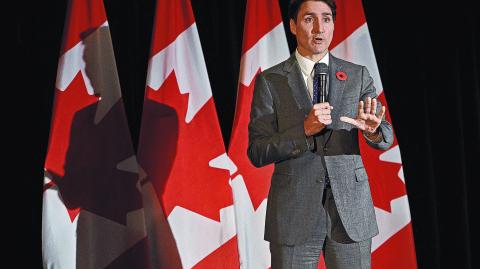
186, 179
264, 45
394, 246
92, 206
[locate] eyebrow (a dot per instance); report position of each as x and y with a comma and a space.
313, 13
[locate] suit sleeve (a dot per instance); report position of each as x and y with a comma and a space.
265, 143
385, 128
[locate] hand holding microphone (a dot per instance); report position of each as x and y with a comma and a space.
320, 115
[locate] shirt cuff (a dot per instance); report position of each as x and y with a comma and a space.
377, 139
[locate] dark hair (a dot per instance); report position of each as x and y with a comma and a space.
294, 6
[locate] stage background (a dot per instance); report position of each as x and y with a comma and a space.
429, 60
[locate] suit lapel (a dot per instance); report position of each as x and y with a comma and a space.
297, 84
335, 90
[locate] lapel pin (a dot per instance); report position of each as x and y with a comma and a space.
341, 75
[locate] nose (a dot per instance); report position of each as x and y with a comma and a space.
318, 26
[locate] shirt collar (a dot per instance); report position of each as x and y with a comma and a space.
306, 65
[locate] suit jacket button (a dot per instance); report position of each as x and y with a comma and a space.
319, 181
325, 149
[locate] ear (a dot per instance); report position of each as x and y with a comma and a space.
293, 27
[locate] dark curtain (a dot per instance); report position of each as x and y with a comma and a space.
428, 57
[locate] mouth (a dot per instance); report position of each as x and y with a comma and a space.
318, 40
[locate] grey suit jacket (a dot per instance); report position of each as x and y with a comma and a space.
276, 135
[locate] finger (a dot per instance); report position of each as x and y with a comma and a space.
322, 111
324, 117
325, 120
324, 105
374, 106
382, 113
321, 106
368, 105
316, 106
360, 108
363, 116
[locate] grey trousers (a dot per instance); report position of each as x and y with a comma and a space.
339, 250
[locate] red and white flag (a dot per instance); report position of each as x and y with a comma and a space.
92, 206
186, 170
394, 246
264, 45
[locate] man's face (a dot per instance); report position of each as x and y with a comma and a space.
313, 29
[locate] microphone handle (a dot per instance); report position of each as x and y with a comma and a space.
323, 88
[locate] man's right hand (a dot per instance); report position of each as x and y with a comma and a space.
317, 119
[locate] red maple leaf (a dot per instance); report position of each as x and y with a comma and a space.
83, 156
257, 180
67, 103
176, 154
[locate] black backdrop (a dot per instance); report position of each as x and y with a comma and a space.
428, 56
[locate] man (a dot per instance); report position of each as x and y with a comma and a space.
319, 196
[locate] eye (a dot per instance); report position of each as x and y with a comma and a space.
326, 19
308, 19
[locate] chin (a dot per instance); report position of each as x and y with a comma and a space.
318, 52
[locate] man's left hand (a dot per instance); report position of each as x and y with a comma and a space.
367, 119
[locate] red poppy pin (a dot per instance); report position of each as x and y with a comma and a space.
341, 75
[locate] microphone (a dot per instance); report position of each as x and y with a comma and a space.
321, 73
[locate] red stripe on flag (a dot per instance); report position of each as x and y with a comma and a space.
171, 19
350, 16
261, 17
398, 252
88, 16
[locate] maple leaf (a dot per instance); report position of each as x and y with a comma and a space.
257, 180
92, 180
67, 103
176, 154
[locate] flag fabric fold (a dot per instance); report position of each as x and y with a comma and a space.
185, 170
92, 208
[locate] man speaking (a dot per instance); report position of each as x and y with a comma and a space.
305, 117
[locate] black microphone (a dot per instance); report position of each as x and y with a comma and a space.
321, 73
